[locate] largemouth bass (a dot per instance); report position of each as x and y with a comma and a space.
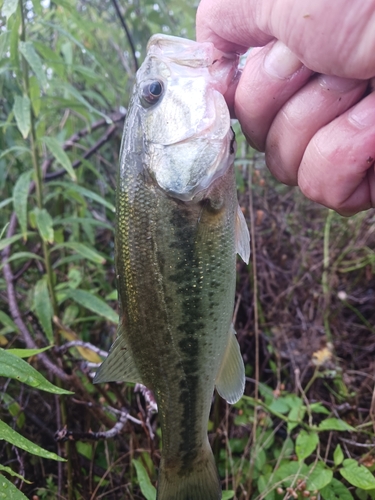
179, 228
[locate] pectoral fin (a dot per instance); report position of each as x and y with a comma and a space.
119, 365
242, 236
230, 381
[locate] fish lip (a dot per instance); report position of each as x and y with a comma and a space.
191, 53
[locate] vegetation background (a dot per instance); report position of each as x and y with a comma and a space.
304, 306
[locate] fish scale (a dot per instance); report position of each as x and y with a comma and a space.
175, 263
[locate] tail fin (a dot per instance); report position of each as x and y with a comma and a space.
199, 481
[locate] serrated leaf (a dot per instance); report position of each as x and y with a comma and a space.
33, 59
338, 455
27, 353
306, 444
59, 154
334, 424
12, 473
319, 477
20, 196
86, 252
13, 437
147, 489
94, 304
21, 110
335, 490
43, 308
11, 492
44, 223
357, 475
12, 366
9, 8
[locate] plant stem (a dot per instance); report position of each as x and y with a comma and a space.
325, 284
37, 171
46, 254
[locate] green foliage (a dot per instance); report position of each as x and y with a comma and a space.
66, 72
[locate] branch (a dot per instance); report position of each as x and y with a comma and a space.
118, 117
128, 35
65, 435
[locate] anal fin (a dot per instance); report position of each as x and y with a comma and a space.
242, 236
230, 381
119, 365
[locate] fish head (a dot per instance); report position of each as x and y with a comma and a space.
183, 118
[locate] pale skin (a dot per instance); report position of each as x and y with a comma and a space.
306, 94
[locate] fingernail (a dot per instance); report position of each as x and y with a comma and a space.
281, 62
363, 114
331, 82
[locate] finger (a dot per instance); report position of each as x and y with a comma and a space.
318, 103
270, 77
337, 169
332, 38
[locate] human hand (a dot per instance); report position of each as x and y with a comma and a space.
304, 94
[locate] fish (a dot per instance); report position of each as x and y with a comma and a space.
178, 230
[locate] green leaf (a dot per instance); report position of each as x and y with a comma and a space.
296, 415
319, 408
43, 308
12, 473
20, 196
23, 255
357, 475
334, 424
9, 8
228, 495
9, 491
21, 109
84, 192
338, 455
8, 241
27, 353
306, 443
147, 489
11, 436
4, 43
94, 304
31, 56
84, 250
44, 224
335, 490
319, 477
12, 366
59, 154
6, 321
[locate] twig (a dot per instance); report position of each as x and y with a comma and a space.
81, 343
65, 435
128, 35
70, 142
149, 397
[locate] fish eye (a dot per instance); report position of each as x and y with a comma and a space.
152, 92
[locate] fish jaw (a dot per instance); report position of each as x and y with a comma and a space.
186, 135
